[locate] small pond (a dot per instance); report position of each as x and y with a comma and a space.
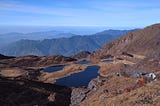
83, 62
54, 68
81, 78
107, 60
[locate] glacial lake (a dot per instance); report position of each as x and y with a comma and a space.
54, 68
83, 62
107, 60
81, 78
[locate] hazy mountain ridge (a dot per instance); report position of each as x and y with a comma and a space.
62, 46
15, 36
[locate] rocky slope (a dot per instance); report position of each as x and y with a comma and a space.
126, 80
147, 95
30, 93
81, 55
143, 42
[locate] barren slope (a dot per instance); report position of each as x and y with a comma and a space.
144, 42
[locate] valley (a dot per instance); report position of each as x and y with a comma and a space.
124, 72
67, 45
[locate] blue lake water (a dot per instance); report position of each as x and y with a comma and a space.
107, 60
54, 68
81, 78
83, 62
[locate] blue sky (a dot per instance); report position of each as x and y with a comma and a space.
112, 13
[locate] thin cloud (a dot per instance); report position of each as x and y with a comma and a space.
17, 7
95, 12
124, 5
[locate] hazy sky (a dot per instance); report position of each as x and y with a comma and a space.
136, 13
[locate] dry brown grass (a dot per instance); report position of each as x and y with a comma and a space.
148, 95
12, 72
125, 62
139, 56
114, 87
108, 69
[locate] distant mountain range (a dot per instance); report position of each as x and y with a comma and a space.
57, 46
5, 57
14, 36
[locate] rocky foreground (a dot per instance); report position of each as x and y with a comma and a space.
131, 78
22, 92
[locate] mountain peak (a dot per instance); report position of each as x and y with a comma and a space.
81, 54
145, 42
154, 26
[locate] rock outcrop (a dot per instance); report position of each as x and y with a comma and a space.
81, 55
